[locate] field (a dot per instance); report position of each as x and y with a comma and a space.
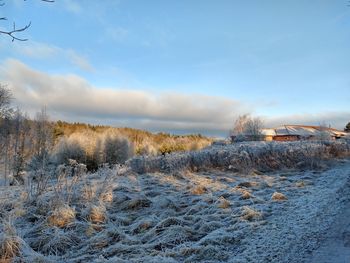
249, 202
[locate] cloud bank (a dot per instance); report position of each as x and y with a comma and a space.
72, 98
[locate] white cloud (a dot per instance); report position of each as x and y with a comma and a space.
117, 33
40, 50
79, 61
37, 50
70, 95
72, 6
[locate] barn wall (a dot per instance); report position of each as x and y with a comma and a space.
285, 138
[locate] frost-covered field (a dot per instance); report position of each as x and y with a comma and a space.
263, 203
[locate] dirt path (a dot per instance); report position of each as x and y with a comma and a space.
336, 246
313, 226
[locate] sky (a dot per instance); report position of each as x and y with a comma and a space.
180, 66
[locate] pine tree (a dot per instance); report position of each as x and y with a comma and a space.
347, 127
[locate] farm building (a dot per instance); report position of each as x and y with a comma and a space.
302, 132
268, 134
297, 132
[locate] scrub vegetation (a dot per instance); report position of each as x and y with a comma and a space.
212, 206
83, 193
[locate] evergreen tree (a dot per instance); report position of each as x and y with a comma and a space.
347, 127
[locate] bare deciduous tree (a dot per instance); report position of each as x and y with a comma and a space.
323, 134
247, 128
39, 165
21, 139
5, 133
5, 127
5, 100
240, 124
253, 128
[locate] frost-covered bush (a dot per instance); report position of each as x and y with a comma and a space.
148, 150
240, 138
117, 150
246, 156
68, 149
40, 171
93, 149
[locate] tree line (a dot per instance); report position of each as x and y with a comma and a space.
35, 147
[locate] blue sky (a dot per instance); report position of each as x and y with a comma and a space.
191, 66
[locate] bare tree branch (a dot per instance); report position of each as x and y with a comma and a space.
12, 33
16, 30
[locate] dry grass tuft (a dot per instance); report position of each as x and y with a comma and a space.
90, 230
256, 172
100, 240
224, 203
283, 178
142, 227
23, 196
9, 247
199, 190
56, 241
276, 196
138, 203
88, 193
100, 243
246, 194
9, 243
97, 214
62, 216
106, 196
248, 184
19, 212
250, 214
300, 184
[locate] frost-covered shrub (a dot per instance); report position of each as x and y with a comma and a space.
148, 150
40, 171
239, 138
67, 149
265, 156
117, 150
93, 149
